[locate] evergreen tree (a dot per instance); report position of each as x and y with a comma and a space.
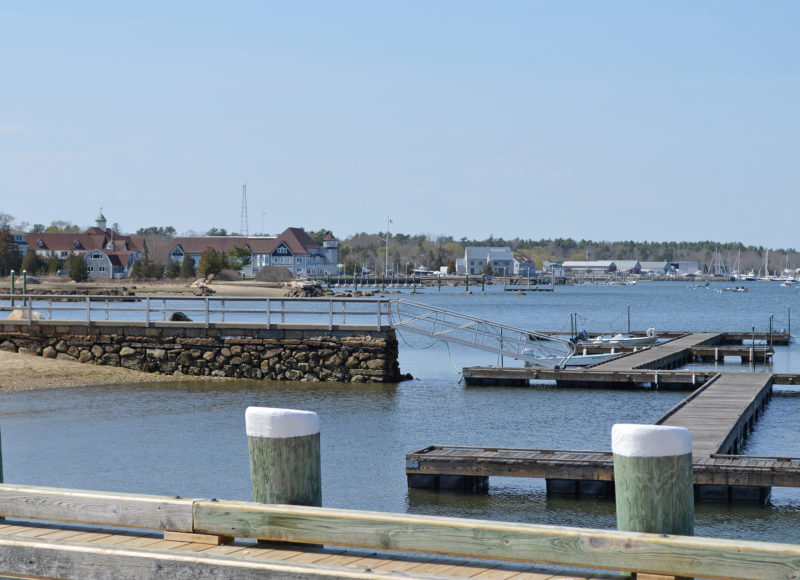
187, 267
78, 268
239, 257
146, 269
173, 269
53, 265
9, 253
32, 263
210, 262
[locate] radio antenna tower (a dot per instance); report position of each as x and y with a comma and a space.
243, 229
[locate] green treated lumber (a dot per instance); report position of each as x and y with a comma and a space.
653, 479
579, 547
285, 456
97, 507
655, 495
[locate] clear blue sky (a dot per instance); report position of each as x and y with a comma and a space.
597, 120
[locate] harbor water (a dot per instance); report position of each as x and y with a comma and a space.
188, 438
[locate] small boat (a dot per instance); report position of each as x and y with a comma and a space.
578, 360
622, 339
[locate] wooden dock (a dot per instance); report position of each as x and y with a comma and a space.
719, 414
653, 367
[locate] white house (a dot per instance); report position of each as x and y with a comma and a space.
500, 260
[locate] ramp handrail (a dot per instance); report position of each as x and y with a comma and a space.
503, 339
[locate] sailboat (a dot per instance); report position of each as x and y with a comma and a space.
736, 273
787, 276
765, 266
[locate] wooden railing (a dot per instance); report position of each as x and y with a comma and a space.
205, 310
574, 547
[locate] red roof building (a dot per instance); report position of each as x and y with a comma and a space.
107, 253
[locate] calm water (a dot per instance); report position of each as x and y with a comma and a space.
188, 439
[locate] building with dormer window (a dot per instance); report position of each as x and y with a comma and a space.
107, 253
294, 250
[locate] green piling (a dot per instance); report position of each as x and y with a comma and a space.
285, 465
653, 479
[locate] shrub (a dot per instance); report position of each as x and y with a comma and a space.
274, 274
228, 275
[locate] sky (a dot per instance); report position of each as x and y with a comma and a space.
645, 121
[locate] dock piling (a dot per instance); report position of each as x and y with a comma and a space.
653, 479
285, 464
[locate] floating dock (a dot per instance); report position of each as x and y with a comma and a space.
653, 367
719, 415
720, 412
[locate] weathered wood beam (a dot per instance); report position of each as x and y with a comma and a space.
597, 549
97, 507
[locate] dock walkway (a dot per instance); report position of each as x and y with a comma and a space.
720, 413
668, 355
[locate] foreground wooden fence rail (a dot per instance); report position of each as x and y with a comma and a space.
574, 547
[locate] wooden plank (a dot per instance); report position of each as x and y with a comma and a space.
96, 507
598, 549
40, 558
211, 539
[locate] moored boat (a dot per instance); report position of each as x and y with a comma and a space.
622, 339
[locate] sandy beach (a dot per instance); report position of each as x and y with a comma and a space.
26, 372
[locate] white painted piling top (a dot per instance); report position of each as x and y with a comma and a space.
650, 440
280, 423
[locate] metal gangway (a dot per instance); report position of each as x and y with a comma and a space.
536, 348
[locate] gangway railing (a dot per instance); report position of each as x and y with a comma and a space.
436, 323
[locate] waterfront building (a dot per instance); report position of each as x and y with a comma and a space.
626, 267
662, 268
500, 260
589, 267
524, 265
108, 254
293, 249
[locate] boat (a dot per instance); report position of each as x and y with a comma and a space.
622, 339
578, 360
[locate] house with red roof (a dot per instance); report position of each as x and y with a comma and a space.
107, 253
293, 249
